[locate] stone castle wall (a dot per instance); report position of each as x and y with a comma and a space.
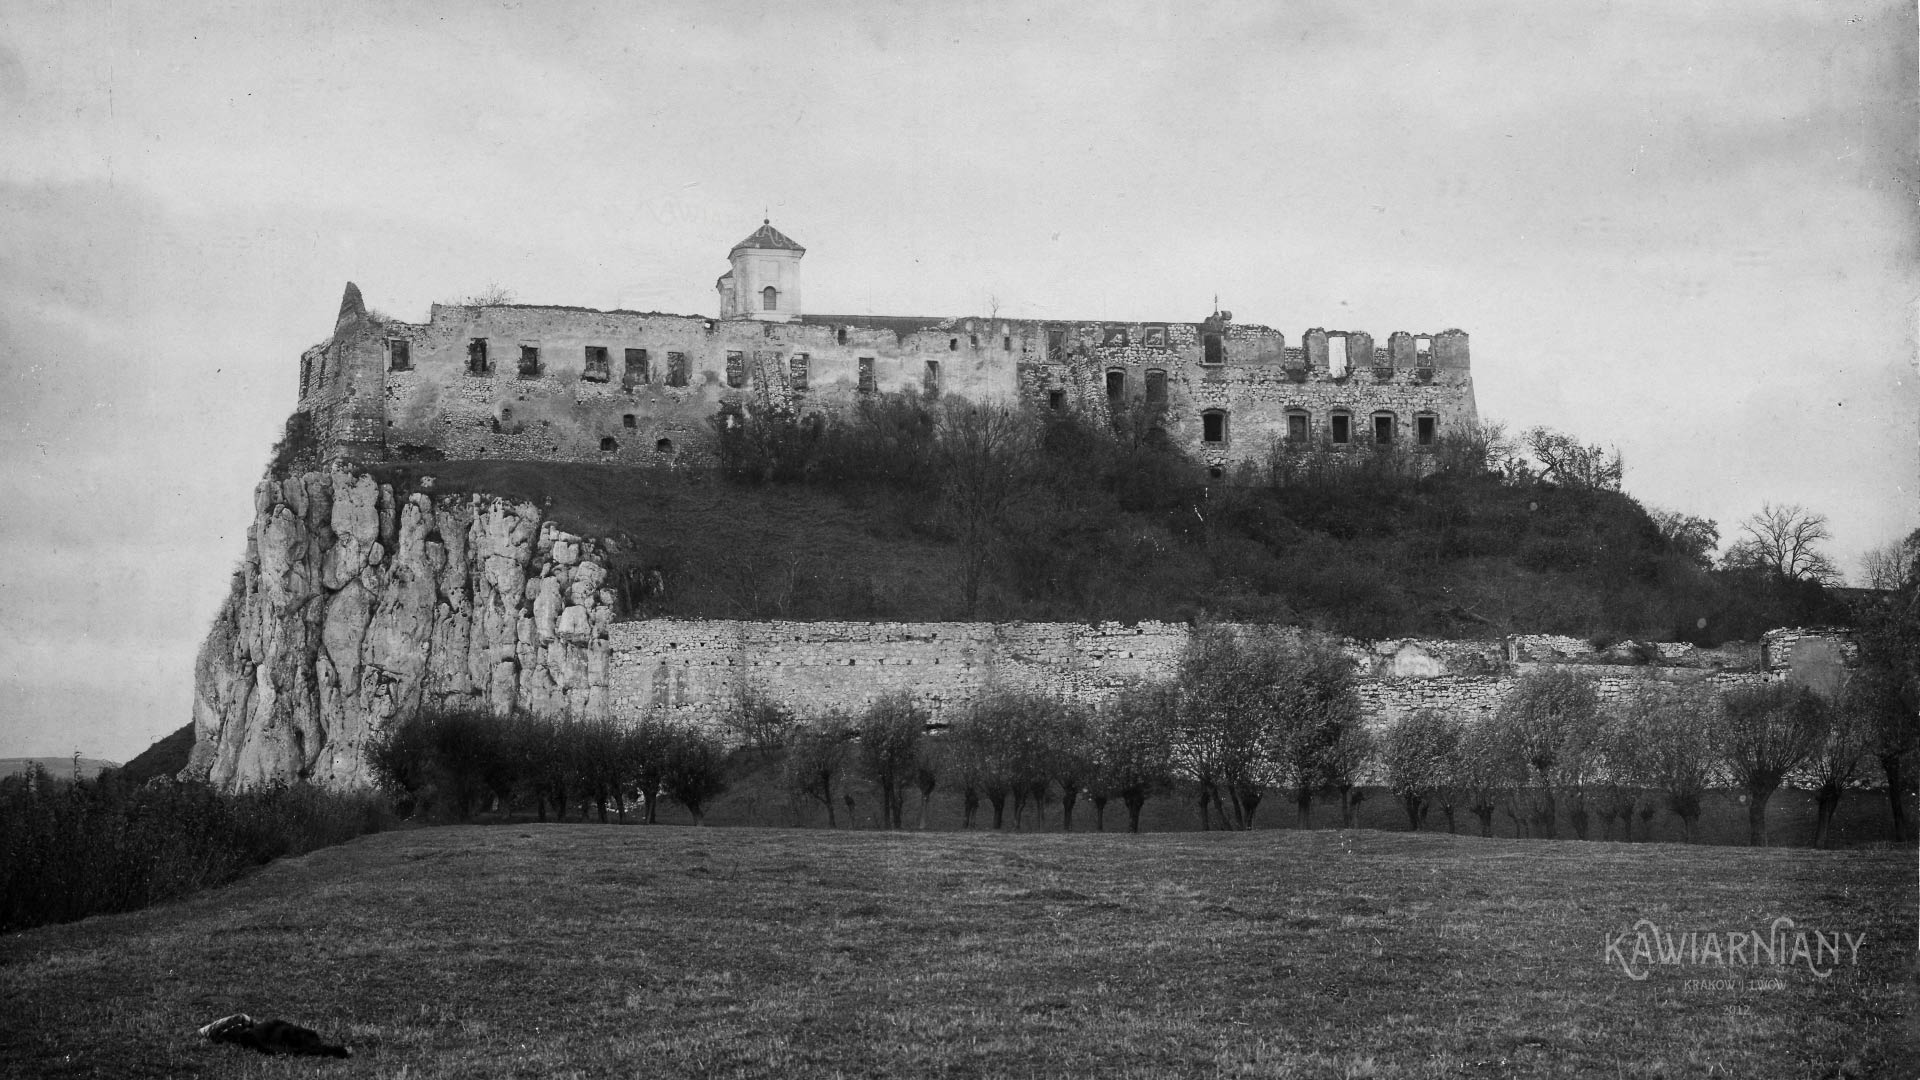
643, 388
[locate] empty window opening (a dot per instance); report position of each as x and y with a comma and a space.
629, 421
1423, 427
797, 369
1423, 350
637, 368
1337, 355
529, 359
608, 445
932, 379
1056, 341
1156, 387
1296, 427
1115, 337
1006, 343
1340, 427
477, 363
973, 340
664, 446
866, 375
1056, 400
1213, 426
306, 374
1116, 386
599, 367
506, 414
953, 344
1215, 353
736, 369
676, 369
770, 299
1382, 428
840, 335
399, 354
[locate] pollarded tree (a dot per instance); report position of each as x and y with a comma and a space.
1070, 756
1885, 691
645, 751
1662, 735
1227, 679
989, 743
695, 771
816, 762
1133, 745
1763, 733
1484, 773
1838, 761
1419, 752
1785, 540
889, 733
1549, 723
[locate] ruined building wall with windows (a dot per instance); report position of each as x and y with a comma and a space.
575, 384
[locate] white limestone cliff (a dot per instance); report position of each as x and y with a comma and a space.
352, 607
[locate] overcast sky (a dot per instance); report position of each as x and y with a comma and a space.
1684, 228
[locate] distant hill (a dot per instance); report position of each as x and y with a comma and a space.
58, 767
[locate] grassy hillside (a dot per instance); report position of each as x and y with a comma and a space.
1371, 553
572, 950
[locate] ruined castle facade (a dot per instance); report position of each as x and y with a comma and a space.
548, 383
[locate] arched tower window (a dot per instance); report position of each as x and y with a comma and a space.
770, 299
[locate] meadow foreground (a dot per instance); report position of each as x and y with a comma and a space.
576, 950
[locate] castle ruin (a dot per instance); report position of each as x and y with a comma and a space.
548, 383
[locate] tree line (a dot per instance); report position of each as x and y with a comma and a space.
1249, 712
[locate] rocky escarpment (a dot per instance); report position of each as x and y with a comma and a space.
353, 606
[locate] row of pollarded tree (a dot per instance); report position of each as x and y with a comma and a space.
1553, 746
1249, 712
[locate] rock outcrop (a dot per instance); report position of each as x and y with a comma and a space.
352, 607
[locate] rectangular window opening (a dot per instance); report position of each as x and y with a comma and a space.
1056, 400
866, 375
1215, 352
1156, 387
797, 369
677, 369
1382, 430
736, 369
1006, 343
1337, 355
1213, 427
477, 363
1116, 386
1297, 428
399, 354
599, 367
932, 381
1423, 430
1341, 428
529, 360
636, 372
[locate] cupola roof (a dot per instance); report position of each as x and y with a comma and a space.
768, 238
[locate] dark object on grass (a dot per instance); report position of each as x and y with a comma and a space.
271, 1036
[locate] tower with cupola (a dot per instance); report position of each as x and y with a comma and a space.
764, 283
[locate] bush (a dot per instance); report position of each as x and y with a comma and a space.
73, 849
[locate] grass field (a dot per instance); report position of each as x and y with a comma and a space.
574, 950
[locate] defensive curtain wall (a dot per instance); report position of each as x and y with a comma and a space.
353, 605
575, 384
692, 670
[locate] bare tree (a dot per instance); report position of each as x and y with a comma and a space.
986, 457
1548, 722
1762, 734
1785, 540
1565, 460
1133, 746
1665, 733
1419, 751
1837, 762
816, 760
1892, 565
889, 732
